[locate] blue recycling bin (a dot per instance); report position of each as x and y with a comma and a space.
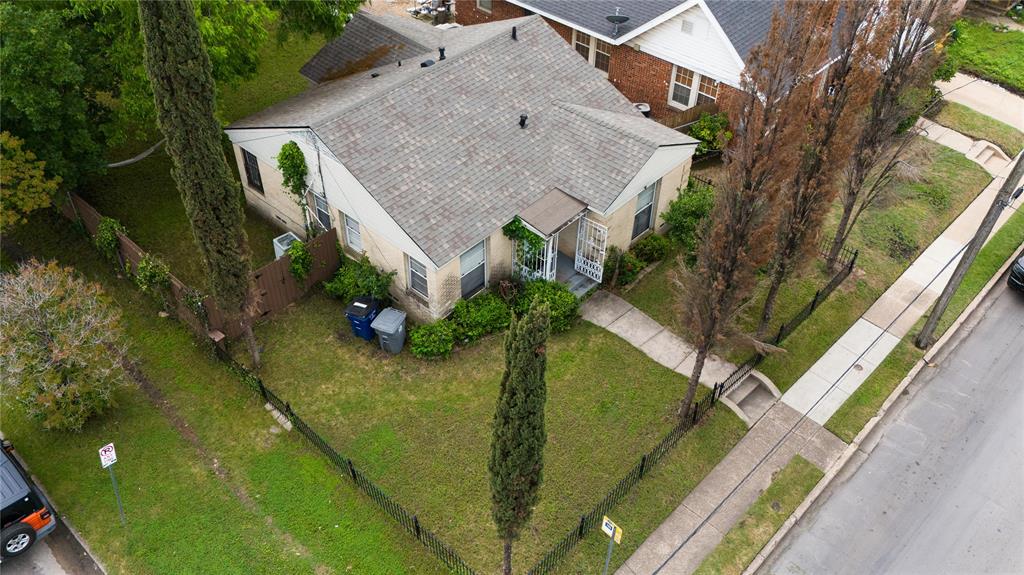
361, 313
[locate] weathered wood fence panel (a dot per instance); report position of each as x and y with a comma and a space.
275, 286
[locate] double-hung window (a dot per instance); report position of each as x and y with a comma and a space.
418, 277
643, 218
252, 171
485, 5
707, 91
323, 214
597, 52
473, 268
682, 86
352, 236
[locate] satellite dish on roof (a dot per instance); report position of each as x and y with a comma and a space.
617, 19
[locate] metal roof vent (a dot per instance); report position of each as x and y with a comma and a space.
441, 52
522, 120
514, 33
426, 63
617, 19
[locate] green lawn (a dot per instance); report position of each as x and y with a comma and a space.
739, 546
303, 516
143, 196
421, 429
995, 56
888, 237
980, 127
855, 412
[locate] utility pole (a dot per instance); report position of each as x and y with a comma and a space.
924, 339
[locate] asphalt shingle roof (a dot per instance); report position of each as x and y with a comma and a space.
745, 22
366, 43
591, 14
440, 148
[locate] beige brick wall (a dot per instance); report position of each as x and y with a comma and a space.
275, 203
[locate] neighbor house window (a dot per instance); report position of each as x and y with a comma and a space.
252, 171
473, 266
485, 5
707, 91
352, 236
323, 215
418, 277
602, 55
597, 52
644, 216
682, 86
582, 43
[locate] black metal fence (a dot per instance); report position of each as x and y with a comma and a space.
345, 466
847, 259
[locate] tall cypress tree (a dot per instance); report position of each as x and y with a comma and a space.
179, 69
517, 448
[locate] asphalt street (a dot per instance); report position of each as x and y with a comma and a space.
943, 489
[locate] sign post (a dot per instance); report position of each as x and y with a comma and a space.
108, 457
614, 534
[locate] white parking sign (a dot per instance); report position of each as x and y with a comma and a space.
107, 455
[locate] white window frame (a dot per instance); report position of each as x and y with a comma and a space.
592, 49
699, 82
653, 189
695, 91
420, 274
483, 264
256, 185
317, 210
480, 5
353, 232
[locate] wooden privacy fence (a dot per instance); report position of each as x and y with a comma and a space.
276, 287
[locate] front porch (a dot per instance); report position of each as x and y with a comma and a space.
572, 249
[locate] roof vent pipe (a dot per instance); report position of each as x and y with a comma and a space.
441, 51
514, 33
522, 120
426, 63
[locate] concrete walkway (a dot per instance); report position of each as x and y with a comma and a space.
859, 351
985, 154
664, 549
985, 97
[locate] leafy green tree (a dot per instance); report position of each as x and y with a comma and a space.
517, 448
24, 186
183, 88
53, 84
61, 345
291, 162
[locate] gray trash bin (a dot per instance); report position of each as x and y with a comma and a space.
390, 327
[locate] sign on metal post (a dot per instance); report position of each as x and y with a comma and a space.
108, 457
614, 533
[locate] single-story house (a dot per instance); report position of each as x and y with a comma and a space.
429, 141
677, 56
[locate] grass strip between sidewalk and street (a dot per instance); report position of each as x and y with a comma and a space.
864, 403
740, 545
993, 55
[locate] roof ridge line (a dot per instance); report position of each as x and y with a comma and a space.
578, 110
425, 72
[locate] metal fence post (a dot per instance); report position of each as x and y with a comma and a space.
814, 302
853, 260
643, 465
263, 390
351, 470
416, 525
583, 524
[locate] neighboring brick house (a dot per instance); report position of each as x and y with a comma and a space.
419, 160
678, 56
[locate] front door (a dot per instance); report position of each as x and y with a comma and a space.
591, 239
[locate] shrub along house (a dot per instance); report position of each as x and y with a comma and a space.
677, 56
427, 142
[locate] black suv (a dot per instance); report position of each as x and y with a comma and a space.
27, 515
1016, 279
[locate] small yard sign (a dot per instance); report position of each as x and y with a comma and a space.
107, 455
611, 529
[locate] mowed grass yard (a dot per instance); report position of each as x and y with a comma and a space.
994, 55
888, 237
422, 429
979, 126
278, 508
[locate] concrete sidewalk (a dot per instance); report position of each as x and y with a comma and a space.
859, 351
985, 97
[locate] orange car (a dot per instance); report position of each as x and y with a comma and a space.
27, 515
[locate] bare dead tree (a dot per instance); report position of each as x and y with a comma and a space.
910, 61
766, 114
828, 139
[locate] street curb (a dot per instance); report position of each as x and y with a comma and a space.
840, 463
71, 528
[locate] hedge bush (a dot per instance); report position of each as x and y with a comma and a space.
686, 213
652, 248
356, 279
301, 260
713, 132
106, 240
630, 267
565, 306
484, 314
432, 339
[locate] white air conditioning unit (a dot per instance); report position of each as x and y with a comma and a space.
282, 242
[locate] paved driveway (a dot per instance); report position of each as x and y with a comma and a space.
941, 492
